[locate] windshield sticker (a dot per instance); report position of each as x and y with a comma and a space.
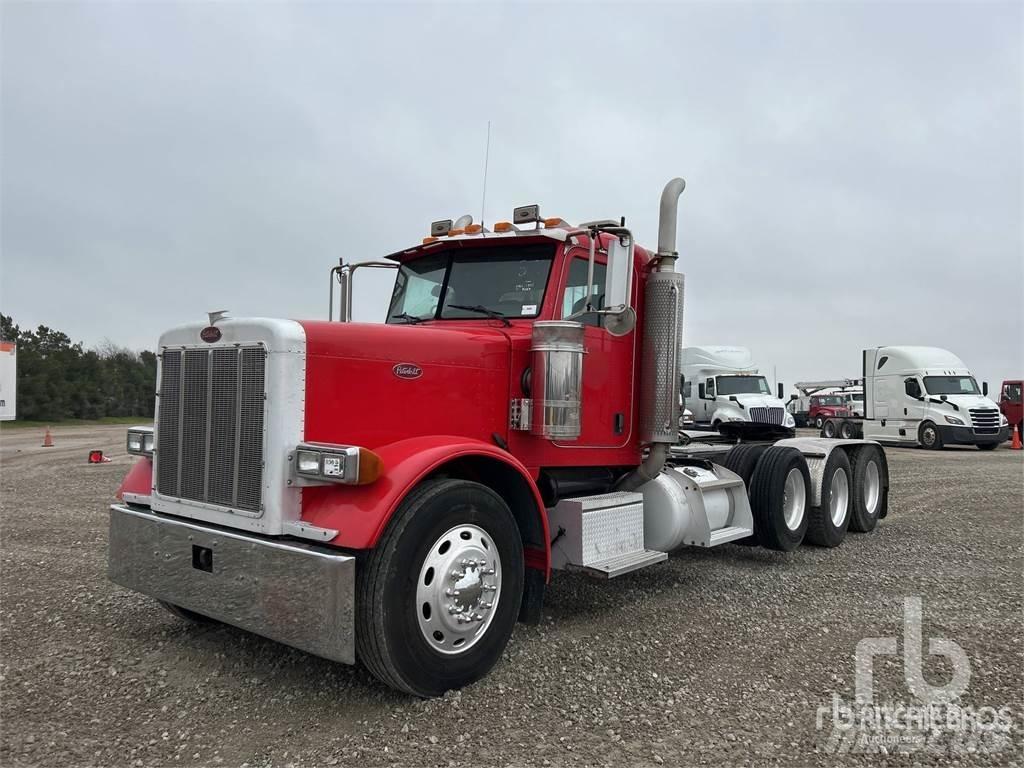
529, 309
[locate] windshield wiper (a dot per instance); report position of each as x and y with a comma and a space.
483, 311
408, 318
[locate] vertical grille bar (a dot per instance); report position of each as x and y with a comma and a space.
195, 376
167, 424
210, 426
250, 446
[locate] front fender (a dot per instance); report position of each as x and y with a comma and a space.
361, 512
138, 483
723, 414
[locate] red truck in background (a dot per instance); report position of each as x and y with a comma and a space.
1011, 405
399, 493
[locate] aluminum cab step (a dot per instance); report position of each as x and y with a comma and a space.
622, 564
730, 533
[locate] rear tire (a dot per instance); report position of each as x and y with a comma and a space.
869, 491
829, 430
742, 459
928, 436
828, 523
846, 430
779, 498
414, 632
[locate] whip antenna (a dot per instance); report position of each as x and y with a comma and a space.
483, 197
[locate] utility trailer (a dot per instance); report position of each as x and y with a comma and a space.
399, 494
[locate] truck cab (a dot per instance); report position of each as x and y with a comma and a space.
723, 389
927, 396
822, 407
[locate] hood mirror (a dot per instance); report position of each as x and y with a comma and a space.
984, 388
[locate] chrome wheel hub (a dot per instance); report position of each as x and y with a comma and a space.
458, 589
839, 498
794, 499
872, 488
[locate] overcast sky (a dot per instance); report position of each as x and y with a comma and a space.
854, 172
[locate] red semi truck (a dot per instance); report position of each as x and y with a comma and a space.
1011, 405
399, 493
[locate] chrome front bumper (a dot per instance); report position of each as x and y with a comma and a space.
294, 593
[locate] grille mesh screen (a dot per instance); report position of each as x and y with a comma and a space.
210, 426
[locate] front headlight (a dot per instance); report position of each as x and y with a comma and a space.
139, 441
316, 463
1003, 421
789, 421
954, 420
736, 418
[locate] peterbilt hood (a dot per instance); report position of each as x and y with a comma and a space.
373, 384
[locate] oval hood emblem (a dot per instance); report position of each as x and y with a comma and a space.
407, 371
210, 334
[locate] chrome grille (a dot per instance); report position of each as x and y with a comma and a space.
210, 426
764, 415
985, 420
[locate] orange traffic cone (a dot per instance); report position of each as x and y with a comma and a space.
47, 439
1015, 445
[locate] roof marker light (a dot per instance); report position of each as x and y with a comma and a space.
429, 239
503, 226
473, 229
555, 222
454, 232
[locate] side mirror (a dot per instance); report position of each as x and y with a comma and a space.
984, 388
782, 391
702, 391
619, 274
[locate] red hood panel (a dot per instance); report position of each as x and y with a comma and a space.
454, 381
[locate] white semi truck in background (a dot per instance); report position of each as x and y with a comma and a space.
922, 396
723, 388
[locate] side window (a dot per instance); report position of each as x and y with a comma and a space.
1012, 393
710, 388
913, 389
686, 390
575, 297
882, 361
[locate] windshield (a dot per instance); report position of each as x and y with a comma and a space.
951, 385
470, 283
829, 400
743, 385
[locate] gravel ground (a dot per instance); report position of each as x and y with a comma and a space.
715, 657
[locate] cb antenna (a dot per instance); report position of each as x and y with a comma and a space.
483, 197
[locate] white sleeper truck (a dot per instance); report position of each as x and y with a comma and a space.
722, 387
922, 396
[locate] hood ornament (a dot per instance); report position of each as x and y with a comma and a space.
216, 315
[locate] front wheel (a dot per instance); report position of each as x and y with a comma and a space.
818, 421
987, 446
438, 596
928, 435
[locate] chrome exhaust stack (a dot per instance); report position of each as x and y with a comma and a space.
662, 343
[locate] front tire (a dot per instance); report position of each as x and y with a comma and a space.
438, 597
987, 446
818, 422
929, 437
779, 493
184, 613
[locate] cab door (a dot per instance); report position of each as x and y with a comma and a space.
608, 369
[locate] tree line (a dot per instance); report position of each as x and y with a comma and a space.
59, 379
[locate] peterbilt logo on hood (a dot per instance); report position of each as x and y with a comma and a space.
210, 334
407, 371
